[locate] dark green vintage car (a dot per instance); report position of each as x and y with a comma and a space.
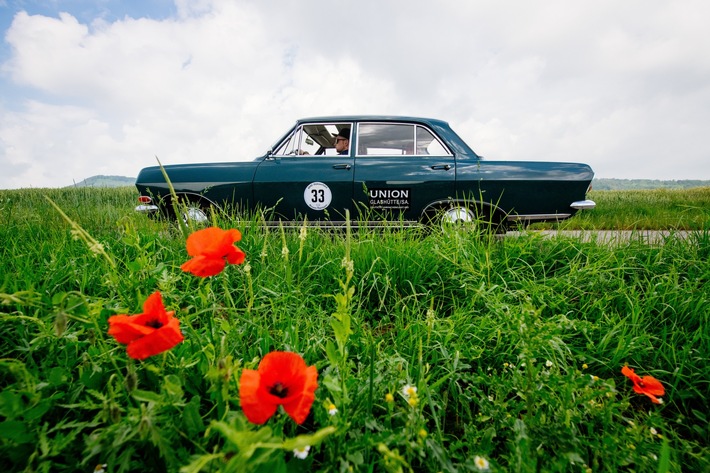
375, 169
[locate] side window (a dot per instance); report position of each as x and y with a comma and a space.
385, 139
290, 145
321, 137
312, 139
428, 144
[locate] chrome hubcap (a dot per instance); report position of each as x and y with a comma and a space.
195, 214
458, 215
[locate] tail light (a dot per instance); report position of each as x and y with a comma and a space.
144, 199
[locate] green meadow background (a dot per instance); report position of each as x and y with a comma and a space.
515, 344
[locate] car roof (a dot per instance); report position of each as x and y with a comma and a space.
377, 118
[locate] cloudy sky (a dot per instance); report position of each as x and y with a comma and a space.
93, 87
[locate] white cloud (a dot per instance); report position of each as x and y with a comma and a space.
620, 86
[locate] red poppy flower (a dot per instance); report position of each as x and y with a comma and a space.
212, 248
647, 385
281, 379
147, 334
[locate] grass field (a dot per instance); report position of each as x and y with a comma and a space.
515, 346
658, 209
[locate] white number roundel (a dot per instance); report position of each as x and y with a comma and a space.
317, 195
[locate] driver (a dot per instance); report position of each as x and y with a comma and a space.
342, 141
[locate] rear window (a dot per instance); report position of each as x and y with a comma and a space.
397, 139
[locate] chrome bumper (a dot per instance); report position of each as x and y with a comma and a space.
147, 209
583, 204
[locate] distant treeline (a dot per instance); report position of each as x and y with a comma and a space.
639, 184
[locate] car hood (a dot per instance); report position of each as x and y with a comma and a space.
197, 177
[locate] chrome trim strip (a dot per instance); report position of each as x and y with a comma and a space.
532, 217
342, 224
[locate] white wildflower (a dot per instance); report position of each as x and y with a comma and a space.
409, 391
410, 394
301, 453
481, 463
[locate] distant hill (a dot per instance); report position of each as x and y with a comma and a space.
640, 184
105, 181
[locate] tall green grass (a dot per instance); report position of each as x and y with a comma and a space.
515, 347
657, 209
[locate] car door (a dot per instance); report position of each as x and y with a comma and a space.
305, 178
400, 168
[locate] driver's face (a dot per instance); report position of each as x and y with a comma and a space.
341, 144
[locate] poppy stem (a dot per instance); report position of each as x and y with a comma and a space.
228, 297
250, 288
372, 375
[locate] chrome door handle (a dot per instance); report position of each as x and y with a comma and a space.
445, 167
342, 166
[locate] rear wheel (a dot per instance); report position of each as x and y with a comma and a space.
190, 209
480, 219
458, 215
196, 214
